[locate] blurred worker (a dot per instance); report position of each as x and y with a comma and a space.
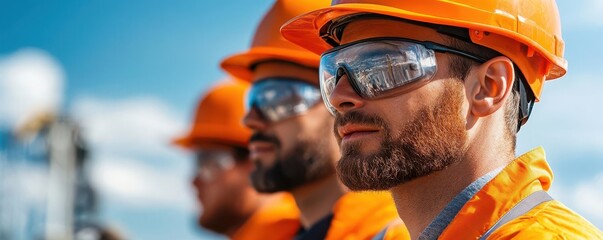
289, 144
230, 204
428, 97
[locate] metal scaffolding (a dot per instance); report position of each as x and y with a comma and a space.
44, 189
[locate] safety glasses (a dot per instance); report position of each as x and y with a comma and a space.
376, 65
211, 162
280, 98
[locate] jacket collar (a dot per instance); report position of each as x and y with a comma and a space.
526, 174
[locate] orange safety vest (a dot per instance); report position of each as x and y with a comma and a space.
277, 220
525, 175
361, 215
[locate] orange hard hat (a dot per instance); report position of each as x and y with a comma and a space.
526, 31
219, 116
268, 44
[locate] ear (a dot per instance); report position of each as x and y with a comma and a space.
491, 86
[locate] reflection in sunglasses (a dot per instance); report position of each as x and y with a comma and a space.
210, 163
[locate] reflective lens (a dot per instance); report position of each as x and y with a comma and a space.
280, 98
212, 162
376, 65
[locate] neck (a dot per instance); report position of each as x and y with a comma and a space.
234, 228
316, 200
419, 201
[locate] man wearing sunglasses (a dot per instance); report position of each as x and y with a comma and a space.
428, 97
230, 204
289, 144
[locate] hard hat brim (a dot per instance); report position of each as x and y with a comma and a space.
184, 142
240, 65
227, 136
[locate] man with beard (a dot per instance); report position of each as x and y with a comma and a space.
230, 204
428, 97
288, 144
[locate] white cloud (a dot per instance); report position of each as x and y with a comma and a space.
568, 116
587, 199
581, 14
140, 185
559, 192
133, 162
141, 125
31, 83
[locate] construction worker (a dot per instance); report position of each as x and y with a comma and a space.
230, 204
288, 145
428, 97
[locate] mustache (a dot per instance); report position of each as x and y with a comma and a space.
260, 136
357, 118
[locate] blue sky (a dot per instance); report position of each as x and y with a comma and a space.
131, 72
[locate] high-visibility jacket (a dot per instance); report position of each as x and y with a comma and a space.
276, 220
549, 220
361, 215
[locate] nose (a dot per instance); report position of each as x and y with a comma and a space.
253, 119
197, 182
344, 98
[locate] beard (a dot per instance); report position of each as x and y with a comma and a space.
430, 142
222, 221
307, 162
228, 209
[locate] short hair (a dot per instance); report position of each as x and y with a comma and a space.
461, 66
